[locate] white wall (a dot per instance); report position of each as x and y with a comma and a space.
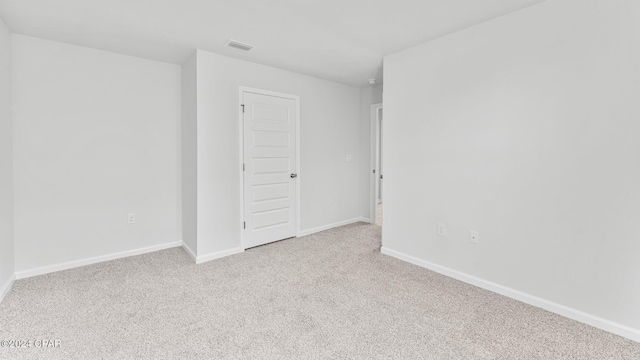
189, 154
96, 138
6, 161
368, 96
524, 128
329, 131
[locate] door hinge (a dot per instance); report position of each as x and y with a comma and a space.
244, 225
242, 108
243, 167
374, 171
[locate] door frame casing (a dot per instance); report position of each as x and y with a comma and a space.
241, 91
375, 151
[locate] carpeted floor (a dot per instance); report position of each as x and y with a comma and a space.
330, 295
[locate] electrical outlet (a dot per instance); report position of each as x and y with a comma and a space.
474, 237
132, 218
330, 200
349, 158
442, 229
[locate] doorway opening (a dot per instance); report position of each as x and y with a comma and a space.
377, 164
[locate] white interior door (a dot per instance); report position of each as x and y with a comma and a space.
270, 174
376, 161
380, 164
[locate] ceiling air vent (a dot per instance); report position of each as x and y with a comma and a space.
238, 45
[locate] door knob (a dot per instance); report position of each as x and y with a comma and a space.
293, 176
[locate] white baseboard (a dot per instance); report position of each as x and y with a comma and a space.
190, 251
218, 255
331, 226
78, 263
595, 321
6, 287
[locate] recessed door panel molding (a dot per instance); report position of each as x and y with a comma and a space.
271, 192
271, 218
279, 139
269, 113
270, 167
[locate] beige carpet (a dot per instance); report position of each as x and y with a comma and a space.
330, 295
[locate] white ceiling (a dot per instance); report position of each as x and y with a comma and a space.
339, 40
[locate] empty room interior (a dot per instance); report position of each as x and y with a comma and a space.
306, 179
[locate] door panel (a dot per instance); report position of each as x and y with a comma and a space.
270, 160
381, 177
